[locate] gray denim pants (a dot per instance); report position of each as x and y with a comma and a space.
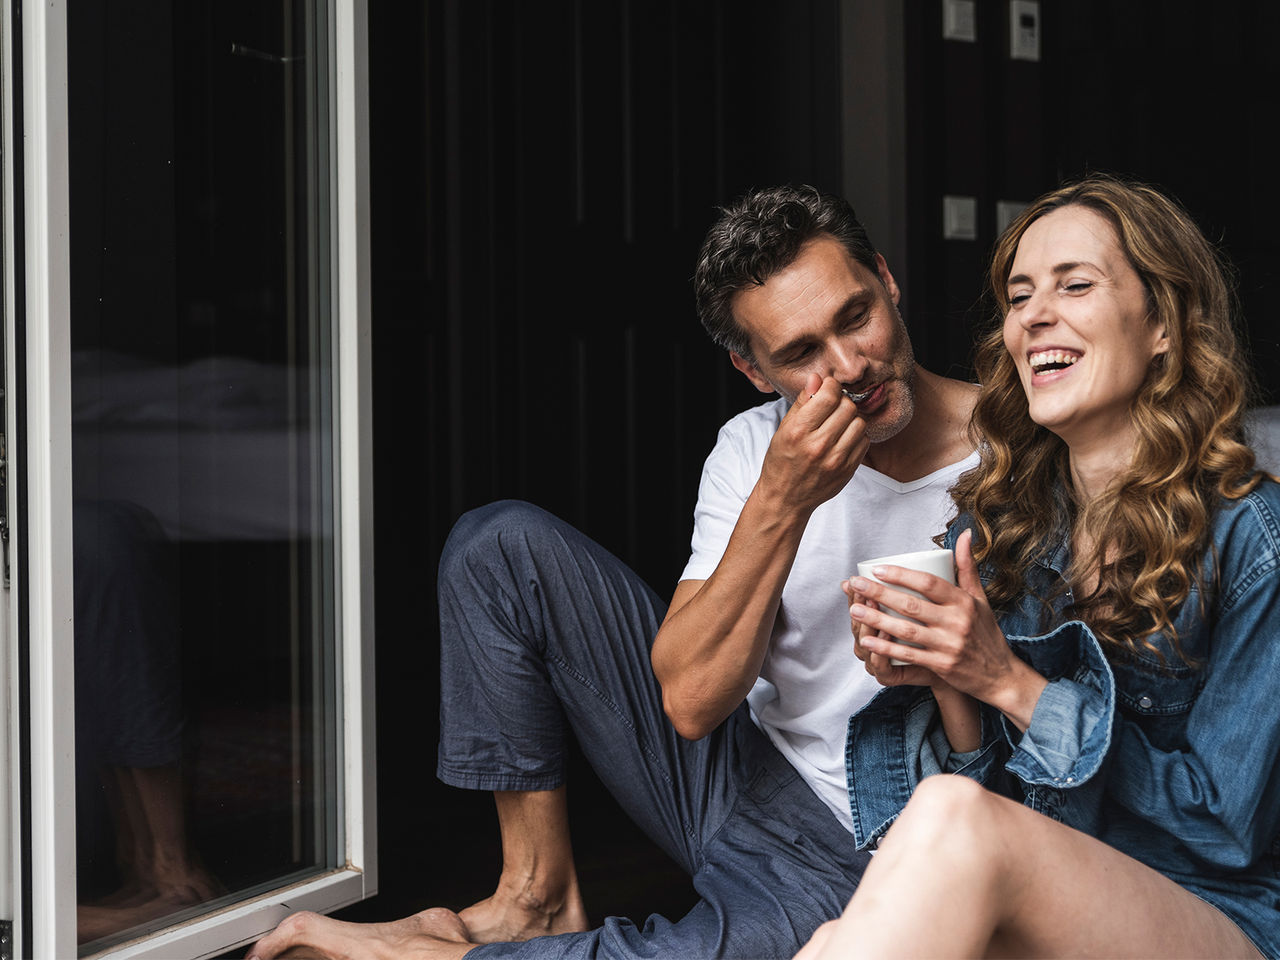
544, 631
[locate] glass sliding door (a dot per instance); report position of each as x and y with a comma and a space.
195, 255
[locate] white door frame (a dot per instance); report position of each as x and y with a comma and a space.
43, 465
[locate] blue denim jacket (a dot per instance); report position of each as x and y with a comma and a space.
1176, 765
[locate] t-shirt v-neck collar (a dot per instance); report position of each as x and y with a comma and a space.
875, 476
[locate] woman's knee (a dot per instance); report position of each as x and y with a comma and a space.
950, 811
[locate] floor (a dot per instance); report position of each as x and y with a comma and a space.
621, 872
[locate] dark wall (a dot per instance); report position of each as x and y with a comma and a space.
1183, 94
1178, 93
542, 177
974, 127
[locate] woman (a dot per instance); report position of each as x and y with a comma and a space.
1118, 672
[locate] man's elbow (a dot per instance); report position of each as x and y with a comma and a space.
687, 720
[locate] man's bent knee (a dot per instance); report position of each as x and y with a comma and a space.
483, 527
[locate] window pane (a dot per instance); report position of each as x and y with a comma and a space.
202, 449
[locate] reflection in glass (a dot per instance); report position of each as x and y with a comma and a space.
202, 455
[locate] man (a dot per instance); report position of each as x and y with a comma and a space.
542, 628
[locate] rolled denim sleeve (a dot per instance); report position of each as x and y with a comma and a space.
893, 743
1060, 757
1070, 730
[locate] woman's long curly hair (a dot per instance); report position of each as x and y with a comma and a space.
1149, 532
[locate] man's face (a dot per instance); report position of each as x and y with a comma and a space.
828, 314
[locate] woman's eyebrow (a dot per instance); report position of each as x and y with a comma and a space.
1057, 270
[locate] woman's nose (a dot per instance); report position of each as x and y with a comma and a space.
1037, 310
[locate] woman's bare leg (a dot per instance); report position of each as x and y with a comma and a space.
966, 873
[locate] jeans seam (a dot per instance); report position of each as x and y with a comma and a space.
617, 712
655, 760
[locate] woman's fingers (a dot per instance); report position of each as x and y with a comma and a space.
930, 592
966, 569
932, 587
876, 620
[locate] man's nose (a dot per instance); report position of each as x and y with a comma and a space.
847, 363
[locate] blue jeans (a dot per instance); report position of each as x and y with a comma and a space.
543, 631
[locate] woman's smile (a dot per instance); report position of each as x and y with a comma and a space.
1078, 328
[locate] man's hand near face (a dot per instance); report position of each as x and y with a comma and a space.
712, 644
818, 446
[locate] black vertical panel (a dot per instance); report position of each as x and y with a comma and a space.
1167, 91
973, 128
542, 178
1182, 96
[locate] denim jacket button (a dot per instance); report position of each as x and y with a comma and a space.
1144, 702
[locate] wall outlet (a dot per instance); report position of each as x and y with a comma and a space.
960, 20
1024, 29
1006, 210
960, 218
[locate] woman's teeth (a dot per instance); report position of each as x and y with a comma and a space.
1051, 360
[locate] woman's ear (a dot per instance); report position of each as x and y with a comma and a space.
1160, 343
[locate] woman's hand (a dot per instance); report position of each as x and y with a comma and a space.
958, 710
877, 663
956, 640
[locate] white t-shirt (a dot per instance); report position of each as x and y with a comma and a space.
811, 681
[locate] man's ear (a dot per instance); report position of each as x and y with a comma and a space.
751, 372
886, 278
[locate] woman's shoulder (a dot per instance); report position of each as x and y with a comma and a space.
1259, 508
1246, 533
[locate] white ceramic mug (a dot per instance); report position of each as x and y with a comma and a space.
941, 563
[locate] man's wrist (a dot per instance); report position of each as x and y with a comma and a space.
777, 508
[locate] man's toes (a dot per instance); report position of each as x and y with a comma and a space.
294, 930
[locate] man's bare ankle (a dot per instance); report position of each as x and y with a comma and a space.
543, 899
521, 909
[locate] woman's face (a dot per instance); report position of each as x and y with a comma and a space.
1077, 327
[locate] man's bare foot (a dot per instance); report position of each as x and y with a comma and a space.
435, 934
520, 914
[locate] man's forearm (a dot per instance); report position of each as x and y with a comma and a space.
710, 649
711, 646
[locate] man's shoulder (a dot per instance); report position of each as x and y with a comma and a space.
760, 420
960, 396
941, 421
744, 439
